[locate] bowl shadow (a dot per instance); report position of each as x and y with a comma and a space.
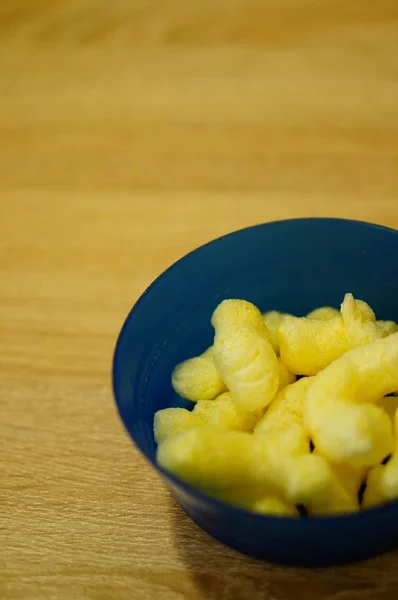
221, 573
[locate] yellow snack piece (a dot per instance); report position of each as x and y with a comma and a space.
343, 495
284, 441
273, 505
248, 364
351, 478
285, 414
308, 345
172, 421
272, 320
197, 378
223, 413
285, 376
388, 326
286, 409
217, 460
360, 322
324, 313
382, 482
299, 476
239, 312
343, 424
213, 459
283, 431
303, 479
258, 500
338, 501
243, 355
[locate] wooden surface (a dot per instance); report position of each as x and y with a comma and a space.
131, 132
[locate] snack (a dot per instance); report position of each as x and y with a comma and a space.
382, 482
221, 413
284, 421
343, 496
360, 322
238, 312
198, 379
169, 422
258, 500
261, 440
214, 460
308, 345
286, 410
243, 355
340, 412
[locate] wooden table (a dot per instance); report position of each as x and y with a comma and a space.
131, 132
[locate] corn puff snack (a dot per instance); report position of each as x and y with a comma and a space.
291, 413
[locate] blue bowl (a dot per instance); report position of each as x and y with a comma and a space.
292, 266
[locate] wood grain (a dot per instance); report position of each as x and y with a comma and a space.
131, 132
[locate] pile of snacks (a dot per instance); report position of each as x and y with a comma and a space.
292, 415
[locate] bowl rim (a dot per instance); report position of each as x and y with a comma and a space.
382, 511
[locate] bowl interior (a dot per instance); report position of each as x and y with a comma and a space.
293, 266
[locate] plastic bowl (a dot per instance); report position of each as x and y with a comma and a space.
292, 266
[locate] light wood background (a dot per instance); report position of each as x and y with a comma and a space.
132, 131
